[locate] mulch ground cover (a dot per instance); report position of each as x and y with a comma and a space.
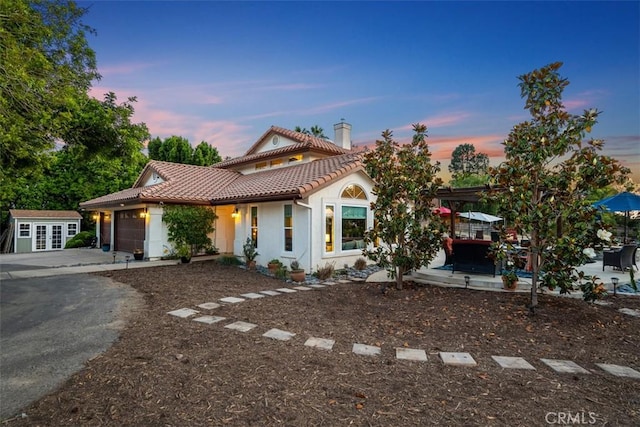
169, 371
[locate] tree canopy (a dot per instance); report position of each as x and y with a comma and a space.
406, 233
467, 167
178, 150
549, 172
315, 130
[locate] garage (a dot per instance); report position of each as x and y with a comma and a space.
129, 230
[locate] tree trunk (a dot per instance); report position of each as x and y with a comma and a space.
399, 274
535, 267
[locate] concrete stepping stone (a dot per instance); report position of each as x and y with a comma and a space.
232, 300
411, 354
209, 305
270, 293
564, 366
278, 334
343, 281
512, 362
286, 290
302, 288
252, 295
183, 312
209, 320
366, 350
358, 279
620, 371
630, 311
317, 286
241, 326
457, 359
329, 283
322, 343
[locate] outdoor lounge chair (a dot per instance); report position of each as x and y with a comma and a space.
620, 259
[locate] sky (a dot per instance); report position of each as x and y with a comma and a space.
224, 72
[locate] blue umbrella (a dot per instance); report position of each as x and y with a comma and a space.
621, 202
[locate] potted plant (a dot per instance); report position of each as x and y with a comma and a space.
273, 265
297, 274
138, 254
510, 279
184, 252
250, 253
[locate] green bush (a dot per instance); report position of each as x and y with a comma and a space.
80, 240
229, 260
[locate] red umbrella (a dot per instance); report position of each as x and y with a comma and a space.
442, 211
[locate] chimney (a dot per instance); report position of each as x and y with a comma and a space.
343, 134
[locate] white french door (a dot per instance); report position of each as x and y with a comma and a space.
47, 237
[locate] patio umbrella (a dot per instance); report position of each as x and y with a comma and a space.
480, 216
621, 202
442, 211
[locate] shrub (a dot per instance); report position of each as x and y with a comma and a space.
229, 260
80, 240
360, 264
281, 272
323, 273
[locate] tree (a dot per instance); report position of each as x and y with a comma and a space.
189, 226
315, 130
408, 232
178, 150
544, 184
46, 67
465, 162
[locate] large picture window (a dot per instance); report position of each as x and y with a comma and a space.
254, 225
354, 223
288, 228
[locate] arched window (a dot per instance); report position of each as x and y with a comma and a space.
353, 191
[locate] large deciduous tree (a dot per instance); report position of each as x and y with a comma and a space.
178, 150
406, 233
549, 171
467, 167
46, 65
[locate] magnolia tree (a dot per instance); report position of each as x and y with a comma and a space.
406, 234
543, 185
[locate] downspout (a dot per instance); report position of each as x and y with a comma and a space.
304, 205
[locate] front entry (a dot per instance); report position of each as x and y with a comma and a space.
47, 237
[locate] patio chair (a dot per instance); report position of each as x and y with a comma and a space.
620, 259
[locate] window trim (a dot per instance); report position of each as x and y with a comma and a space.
285, 228
29, 228
253, 229
75, 227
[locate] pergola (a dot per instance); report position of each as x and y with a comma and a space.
455, 198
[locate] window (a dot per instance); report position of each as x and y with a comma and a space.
296, 158
288, 228
276, 162
72, 229
261, 165
24, 230
354, 191
329, 233
254, 225
354, 223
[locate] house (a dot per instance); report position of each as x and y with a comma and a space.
299, 197
42, 230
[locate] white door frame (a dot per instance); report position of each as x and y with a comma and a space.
47, 236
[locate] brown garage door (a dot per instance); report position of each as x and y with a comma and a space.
129, 230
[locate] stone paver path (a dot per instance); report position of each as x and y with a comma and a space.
413, 354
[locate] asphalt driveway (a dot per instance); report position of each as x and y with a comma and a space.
50, 326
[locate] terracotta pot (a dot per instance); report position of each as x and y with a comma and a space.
251, 265
298, 275
510, 285
273, 267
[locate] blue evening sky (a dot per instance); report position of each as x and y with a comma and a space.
223, 72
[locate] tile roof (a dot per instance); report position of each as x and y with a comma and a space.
304, 143
183, 184
287, 182
27, 213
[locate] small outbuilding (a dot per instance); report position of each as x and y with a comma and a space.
42, 230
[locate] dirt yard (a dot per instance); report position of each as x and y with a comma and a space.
170, 371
